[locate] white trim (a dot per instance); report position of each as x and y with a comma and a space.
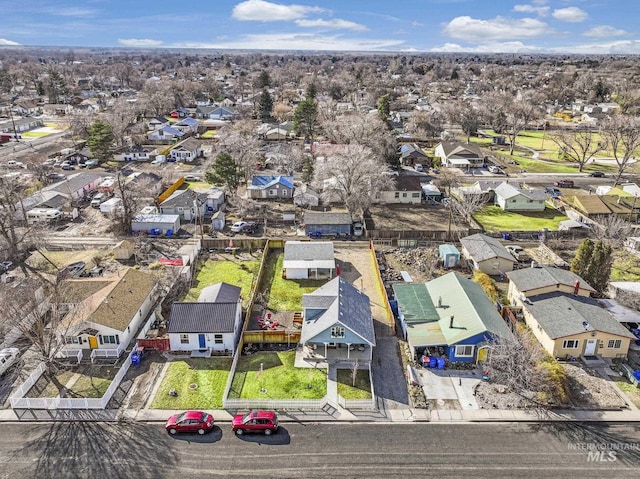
462, 355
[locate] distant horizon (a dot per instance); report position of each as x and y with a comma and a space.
562, 27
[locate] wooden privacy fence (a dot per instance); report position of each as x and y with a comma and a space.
285, 336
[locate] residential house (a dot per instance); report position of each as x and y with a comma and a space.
591, 209
557, 307
189, 126
158, 122
484, 188
165, 134
78, 186
21, 125
459, 155
226, 113
487, 254
510, 198
25, 108
188, 150
57, 109
149, 183
337, 324
304, 197
211, 324
318, 223
308, 260
271, 187
155, 224
405, 189
180, 113
410, 154
449, 317
108, 312
137, 153
186, 203
79, 157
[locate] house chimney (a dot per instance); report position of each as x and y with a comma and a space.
576, 288
439, 301
451, 322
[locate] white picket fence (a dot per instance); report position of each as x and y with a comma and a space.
18, 401
107, 353
280, 404
72, 353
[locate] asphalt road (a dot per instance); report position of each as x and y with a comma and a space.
137, 451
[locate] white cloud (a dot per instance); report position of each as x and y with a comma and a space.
570, 14
72, 12
5, 42
542, 11
417, 24
604, 31
300, 41
627, 47
334, 24
262, 11
139, 42
498, 47
496, 29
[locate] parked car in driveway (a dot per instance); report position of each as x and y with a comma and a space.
8, 357
238, 226
553, 192
189, 421
255, 421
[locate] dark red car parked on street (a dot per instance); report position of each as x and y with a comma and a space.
255, 421
190, 421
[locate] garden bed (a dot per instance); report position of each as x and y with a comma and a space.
346, 387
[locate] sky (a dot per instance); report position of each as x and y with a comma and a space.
482, 26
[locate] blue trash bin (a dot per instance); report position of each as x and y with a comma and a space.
440, 363
433, 362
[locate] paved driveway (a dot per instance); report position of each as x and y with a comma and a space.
440, 385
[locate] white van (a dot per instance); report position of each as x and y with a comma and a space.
42, 215
97, 200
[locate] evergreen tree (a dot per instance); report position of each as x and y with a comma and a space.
305, 118
582, 258
56, 86
225, 172
312, 92
264, 80
265, 105
384, 108
307, 169
599, 268
100, 140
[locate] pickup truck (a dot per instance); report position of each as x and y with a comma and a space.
565, 184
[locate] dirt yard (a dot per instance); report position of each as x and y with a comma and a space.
587, 389
412, 218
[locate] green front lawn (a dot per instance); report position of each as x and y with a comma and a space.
210, 375
286, 294
279, 378
494, 219
362, 389
209, 134
88, 387
238, 273
35, 134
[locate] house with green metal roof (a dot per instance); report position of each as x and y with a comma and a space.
450, 315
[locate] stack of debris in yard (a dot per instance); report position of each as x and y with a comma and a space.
420, 259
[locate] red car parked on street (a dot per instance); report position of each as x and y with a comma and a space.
190, 421
255, 421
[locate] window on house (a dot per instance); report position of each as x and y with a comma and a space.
337, 332
614, 344
415, 195
217, 338
184, 339
465, 351
109, 340
570, 344
285, 193
273, 192
397, 194
404, 195
72, 340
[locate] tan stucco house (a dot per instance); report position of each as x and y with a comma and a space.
487, 254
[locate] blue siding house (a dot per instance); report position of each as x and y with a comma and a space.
271, 187
449, 317
319, 223
337, 325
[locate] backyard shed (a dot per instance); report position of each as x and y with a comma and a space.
449, 255
308, 259
156, 224
218, 220
123, 250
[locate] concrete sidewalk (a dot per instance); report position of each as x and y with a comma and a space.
405, 415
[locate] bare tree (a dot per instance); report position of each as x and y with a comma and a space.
425, 124
622, 135
519, 363
468, 205
518, 114
121, 117
578, 147
352, 177
240, 141
466, 115
286, 158
613, 228
132, 193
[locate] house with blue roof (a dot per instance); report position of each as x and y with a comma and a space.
337, 325
271, 187
449, 316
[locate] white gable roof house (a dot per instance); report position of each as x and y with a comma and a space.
308, 260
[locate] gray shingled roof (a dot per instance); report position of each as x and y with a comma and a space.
321, 218
202, 317
482, 247
507, 190
220, 293
528, 279
563, 315
183, 198
308, 250
344, 304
